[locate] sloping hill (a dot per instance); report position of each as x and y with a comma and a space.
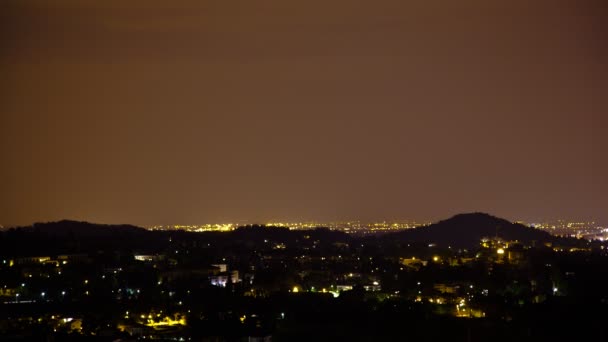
466, 230
82, 229
66, 236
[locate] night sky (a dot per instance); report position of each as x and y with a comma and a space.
159, 112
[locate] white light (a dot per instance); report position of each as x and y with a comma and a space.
43, 294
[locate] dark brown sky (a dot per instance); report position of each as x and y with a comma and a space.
202, 111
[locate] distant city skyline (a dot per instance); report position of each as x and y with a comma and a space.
580, 229
569, 228
275, 222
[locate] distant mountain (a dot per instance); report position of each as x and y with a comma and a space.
66, 236
466, 230
81, 229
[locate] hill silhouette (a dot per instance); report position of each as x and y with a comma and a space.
466, 230
460, 231
82, 229
83, 237
71, 237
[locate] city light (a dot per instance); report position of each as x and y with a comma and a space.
241, 276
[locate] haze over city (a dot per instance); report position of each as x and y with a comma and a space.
195, 112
